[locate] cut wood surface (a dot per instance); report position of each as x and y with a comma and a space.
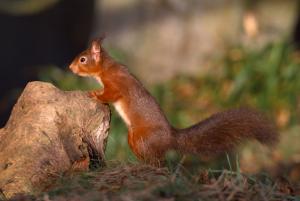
49, 133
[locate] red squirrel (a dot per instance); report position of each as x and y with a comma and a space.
150, 135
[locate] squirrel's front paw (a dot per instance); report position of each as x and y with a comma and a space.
93, 95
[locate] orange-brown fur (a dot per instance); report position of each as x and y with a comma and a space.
150, 135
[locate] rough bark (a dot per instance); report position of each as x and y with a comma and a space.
49, 133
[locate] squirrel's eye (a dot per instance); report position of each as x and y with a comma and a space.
83, 60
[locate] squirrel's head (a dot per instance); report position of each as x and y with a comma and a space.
89, 61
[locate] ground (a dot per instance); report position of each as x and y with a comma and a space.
143, 182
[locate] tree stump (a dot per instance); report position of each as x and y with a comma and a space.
49, 133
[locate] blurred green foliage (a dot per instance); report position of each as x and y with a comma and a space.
266, 79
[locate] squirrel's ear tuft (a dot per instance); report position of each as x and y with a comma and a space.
101, 38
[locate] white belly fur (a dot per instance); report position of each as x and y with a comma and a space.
120, 109
118, 105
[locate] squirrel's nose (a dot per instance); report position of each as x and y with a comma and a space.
73, 67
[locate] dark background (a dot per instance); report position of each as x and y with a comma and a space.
52, 36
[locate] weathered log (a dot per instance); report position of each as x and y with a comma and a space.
49, 133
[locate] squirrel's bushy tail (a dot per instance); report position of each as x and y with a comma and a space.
223, 131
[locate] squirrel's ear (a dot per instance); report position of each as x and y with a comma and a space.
95, 47
96, 44
95, 50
